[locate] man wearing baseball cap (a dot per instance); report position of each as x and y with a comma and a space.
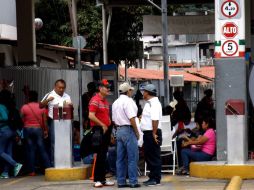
100, 121
150, 125
124, 112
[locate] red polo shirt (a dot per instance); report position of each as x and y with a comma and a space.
100, 106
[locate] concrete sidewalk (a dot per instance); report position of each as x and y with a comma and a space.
168, 183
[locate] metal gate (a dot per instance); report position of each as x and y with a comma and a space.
42, 80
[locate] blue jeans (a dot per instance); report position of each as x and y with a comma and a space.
34, 139
127, 155
88, 159
6, 142
188, 155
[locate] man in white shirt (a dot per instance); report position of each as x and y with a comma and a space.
55, 97
150, 125
124, 112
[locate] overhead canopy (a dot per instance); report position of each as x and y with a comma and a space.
120, 3
198, 24
8, 24
147, 74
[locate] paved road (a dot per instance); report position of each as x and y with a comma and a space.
248, 185
168, 183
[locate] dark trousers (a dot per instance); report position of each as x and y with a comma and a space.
152, 153
100, 165
34, 139
50, 141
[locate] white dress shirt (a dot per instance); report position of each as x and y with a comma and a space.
141, 134
58, 100
123, 109
152, 111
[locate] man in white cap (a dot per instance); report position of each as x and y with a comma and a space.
150, 125
124, 112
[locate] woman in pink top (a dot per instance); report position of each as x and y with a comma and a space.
35, 130
207, 143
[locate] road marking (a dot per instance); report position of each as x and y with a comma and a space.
174, 181
15, 181
235, 183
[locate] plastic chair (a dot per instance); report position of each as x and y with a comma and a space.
168, 146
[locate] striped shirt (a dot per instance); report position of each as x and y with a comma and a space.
100, 107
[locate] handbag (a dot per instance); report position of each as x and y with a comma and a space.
97, 138
86, 144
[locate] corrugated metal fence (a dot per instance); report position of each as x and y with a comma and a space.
42, 80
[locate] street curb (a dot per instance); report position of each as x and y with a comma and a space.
235, 183
220, 170
68, 174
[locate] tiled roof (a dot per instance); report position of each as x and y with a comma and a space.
180, 64
136, 73
62, 48
207, 72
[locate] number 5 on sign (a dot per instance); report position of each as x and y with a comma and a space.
230, 48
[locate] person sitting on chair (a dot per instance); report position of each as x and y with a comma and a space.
202, 148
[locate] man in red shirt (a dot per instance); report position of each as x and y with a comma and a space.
100, 121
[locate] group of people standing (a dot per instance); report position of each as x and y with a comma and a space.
34, 119
124, 113
38, 124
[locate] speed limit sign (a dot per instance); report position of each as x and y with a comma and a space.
229, 48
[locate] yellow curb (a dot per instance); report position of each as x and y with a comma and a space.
235, 183
68, 174
218, 170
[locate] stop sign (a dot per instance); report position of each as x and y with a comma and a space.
230, 30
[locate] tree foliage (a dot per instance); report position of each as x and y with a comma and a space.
56, 22
125, 29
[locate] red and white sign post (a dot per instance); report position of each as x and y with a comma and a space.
230, 29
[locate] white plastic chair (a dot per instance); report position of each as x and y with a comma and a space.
168, 146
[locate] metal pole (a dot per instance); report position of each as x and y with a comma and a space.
104, 28
109, 21
150, 1
80, 89
165, 49
198, 61
126, 70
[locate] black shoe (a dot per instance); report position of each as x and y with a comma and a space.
145, 182
135, 185
158, 183
123, 186
150, 183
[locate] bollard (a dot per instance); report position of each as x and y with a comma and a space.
62, 117
236, 132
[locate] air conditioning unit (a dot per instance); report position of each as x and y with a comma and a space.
176, 80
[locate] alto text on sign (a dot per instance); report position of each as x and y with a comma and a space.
229, 30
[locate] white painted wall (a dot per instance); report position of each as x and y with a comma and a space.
8, 24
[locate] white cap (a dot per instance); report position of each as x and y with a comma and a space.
125, 87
